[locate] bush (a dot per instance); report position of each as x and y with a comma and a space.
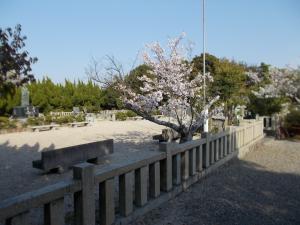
5, 123
121, 116
80, 118
48, 119
292, 119
264, 106
64, 119
124, 115
35, 121
3, 120
130, 113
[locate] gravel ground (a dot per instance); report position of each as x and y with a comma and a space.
18, 150
263, 188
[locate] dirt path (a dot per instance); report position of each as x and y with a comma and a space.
263, 188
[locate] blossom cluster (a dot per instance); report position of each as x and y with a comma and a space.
283, 82
171, 89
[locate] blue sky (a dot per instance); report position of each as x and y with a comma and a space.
64, 35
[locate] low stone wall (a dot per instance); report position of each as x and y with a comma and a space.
108, 114
62, 113
144, 182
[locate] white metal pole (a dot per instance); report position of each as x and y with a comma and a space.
205, 127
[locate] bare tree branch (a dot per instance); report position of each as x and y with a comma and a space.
105, 73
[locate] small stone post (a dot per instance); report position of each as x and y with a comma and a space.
141, 184
84, 201
217, 155
206, 151
54, 212
225, 145
166, 167
125, 193
22, 218
154, 179
107, 202
176, 169
212, 152
192, 161
185, 165
199, 156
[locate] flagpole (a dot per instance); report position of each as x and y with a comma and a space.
205, 127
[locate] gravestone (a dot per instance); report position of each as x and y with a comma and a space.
24, 97
76, 110
25, 109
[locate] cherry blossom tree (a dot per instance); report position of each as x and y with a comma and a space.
282, 83
171, 89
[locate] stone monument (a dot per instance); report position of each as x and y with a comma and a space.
24, 97
25, 109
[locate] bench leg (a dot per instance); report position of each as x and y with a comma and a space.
59, 170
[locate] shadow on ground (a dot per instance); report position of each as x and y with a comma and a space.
18, 176
238, 193
241, 192
16, 172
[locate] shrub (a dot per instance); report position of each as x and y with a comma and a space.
130, 113
35, 121
64, 119
124, 115
121, 116
5, 123
79, 118
12, 124
3, 120
292, 119
214, 130
48, 119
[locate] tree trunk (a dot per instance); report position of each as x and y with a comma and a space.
186, 137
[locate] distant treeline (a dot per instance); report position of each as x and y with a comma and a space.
230, 83
49, 96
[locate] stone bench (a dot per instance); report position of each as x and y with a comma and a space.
44, 127
167, 135
79, 124
135, 118
64, 158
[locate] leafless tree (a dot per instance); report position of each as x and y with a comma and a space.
107, 71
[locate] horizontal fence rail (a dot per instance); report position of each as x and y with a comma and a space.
130, 188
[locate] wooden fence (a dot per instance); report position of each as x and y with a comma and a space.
143, 183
